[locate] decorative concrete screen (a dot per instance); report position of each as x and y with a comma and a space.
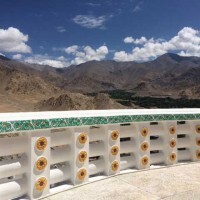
48, 152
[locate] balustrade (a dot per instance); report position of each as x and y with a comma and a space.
48, 152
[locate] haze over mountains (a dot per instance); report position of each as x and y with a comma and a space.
28, 87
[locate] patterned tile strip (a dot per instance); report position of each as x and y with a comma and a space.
25, 125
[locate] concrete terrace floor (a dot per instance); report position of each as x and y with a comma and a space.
178, 182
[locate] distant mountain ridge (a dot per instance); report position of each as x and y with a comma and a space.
169, 75
161, 76
4, 58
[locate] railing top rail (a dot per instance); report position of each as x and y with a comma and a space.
14, 122
91, 113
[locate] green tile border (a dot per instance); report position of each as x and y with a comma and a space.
14, 126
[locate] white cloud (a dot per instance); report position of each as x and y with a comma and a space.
53, 63
186, 43
87, 53
60, 29
83, 54
72, 49
90, 21
128, 40
141, 40
59, 62
62, 58
13, 41
17, 56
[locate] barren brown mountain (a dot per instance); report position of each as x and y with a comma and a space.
29, 87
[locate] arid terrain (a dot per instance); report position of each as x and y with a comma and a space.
168, 81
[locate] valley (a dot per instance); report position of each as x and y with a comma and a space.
170, 81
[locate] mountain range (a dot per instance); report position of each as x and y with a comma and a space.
31, 87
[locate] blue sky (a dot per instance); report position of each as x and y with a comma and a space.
64, 32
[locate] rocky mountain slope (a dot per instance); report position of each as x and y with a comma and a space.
76, 101
168, 75
27, 87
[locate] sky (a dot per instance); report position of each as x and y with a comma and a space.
60, 33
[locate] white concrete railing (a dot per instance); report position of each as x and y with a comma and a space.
49, 152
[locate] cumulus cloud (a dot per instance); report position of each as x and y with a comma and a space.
90, 21
59, 62
186, 43
62, 58
12, 40
72, 49
17, 56
87, 53
141, 40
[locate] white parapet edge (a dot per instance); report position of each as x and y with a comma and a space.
92, 113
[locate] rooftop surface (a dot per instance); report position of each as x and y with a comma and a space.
180, 182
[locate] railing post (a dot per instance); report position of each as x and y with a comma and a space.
80, 155
142, 154
112, 149
170, 142
38, 172
195, 140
